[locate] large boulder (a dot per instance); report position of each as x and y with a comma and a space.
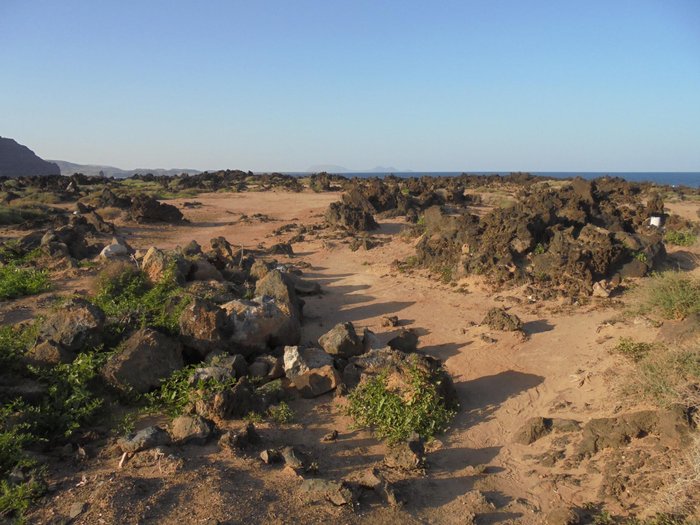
145, 208
261, 324
204, 327
342, 341
77, 326
349, 217
143, 361
281, 287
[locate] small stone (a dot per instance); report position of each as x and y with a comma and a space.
331, 436
149, 437
390, 321
76, 509
270, 456
191, 429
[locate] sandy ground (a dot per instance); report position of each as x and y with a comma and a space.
563, 369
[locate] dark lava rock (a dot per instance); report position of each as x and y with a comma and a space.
143, 361
406, 341
204, 327
342, 341
145, 208
76, 327
499, 319
350, 218
337, 492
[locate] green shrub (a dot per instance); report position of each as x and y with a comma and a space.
68, 404
178, 391
14, 343
16, 281
680, 238
125, 294
281, 413
70, 401
394, 417
16, 215
674, 295
16, 498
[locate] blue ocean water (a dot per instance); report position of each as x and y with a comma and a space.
691, 179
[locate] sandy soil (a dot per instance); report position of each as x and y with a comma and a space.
563, 369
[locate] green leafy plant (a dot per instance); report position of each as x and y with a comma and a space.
281, 413
125, 294
16, 281
539, 249
393, 416
180, 390
14, 343
680, 237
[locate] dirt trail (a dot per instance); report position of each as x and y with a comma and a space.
562, 369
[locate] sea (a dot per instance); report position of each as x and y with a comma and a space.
690, 179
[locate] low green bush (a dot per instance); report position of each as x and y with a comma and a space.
680, 237
69, 403
178, 391
14, 343
281, 413
125, 294
16, 281
395, 417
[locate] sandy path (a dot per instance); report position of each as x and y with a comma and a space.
562, 369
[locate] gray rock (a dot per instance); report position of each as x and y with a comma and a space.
149, 437
299, 360
337, 492
191, 429
79, 325
342, 341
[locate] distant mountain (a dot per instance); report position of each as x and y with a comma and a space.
17, 160
69, 168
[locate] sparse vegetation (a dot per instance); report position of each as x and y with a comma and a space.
680, 237
16, 281
674, 295
281, 413
69, 403
394, 417
636, 351
125, 294
14, 342
180, 391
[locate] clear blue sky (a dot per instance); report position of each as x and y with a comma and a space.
594, 85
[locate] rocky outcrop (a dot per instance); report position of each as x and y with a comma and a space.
145, 208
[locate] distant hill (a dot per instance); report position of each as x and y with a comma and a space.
17, 160
69, 168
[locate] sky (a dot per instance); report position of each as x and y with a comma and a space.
491, 85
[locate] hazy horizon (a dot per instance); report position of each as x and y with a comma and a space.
277, 86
